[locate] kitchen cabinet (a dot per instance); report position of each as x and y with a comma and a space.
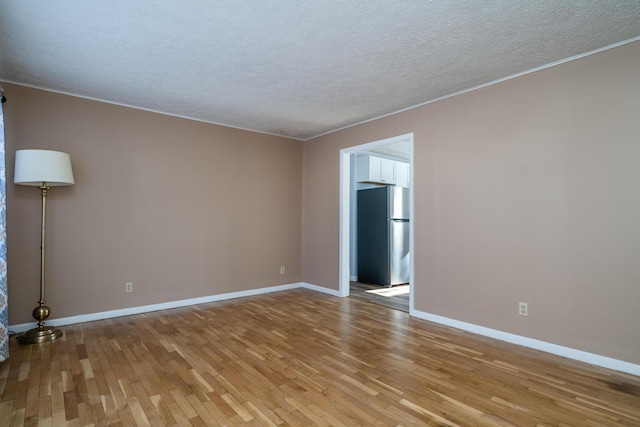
375, 169
380, 170
402, 174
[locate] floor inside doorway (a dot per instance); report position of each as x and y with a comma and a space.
394, 297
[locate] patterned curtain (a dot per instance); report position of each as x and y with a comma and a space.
4, 308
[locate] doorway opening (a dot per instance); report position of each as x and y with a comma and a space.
401, 149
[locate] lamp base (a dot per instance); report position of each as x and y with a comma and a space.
40, 335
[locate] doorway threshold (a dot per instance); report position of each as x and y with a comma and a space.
396, 297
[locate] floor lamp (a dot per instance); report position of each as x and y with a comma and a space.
42, 169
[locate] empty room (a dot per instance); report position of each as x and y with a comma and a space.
189, 211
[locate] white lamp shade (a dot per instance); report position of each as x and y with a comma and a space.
33, 167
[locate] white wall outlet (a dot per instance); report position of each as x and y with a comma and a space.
282, 269
523, 309
128, 287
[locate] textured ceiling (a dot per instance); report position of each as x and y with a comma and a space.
297, 68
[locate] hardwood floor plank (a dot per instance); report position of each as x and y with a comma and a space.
300, 358
201, 411
162, 409
17, 418
264, 416
237, 407
223, 406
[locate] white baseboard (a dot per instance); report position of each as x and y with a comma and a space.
571, 353
321, 289
153, 307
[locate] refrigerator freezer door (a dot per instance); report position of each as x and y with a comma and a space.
398, 199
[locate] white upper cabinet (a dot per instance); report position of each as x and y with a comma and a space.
379, 170
387, 171
374, 169
402, 174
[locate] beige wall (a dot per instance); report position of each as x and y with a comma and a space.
182, 209
528, 190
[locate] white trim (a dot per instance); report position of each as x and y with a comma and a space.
344, 260
322, 289
150, 110
81, 318
155, 307
345, 211
571, 353
491, 83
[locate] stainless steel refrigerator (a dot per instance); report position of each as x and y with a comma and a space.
383, 235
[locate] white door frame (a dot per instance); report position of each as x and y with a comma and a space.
345, 211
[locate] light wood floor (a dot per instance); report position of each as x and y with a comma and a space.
300, 358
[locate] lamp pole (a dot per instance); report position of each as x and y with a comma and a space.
42, 333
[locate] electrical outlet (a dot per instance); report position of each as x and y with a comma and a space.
282, 269
128, 287
523, 309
